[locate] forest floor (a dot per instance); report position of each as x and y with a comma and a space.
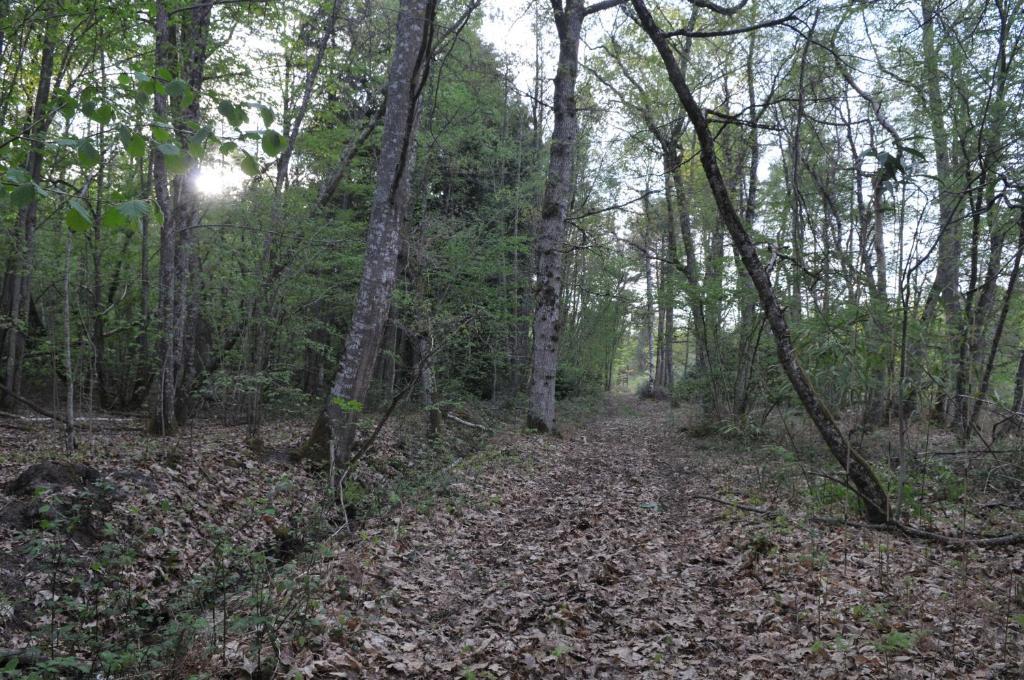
601, 555
619, 550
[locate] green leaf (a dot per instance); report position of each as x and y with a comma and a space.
88, 156
176, 161
67, 105
23, 194
178, 164
267, 115
250, 166
78, 218
102, 115
134, 209
347, 405
134, 143
197, 142
235, 115
112, 219
169, 149
181, 91
272, 143
17, 175
196, 149
228, 147
177, 88
162, 134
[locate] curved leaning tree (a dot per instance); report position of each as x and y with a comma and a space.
861, 475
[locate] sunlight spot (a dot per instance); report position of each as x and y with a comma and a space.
219, 179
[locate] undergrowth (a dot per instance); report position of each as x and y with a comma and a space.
235, 608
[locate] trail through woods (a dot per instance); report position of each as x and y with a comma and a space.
590, 556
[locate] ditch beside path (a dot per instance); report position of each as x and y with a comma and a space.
590, 556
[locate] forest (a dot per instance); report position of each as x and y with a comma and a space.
511, 339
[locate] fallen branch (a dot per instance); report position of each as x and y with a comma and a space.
38, 409
946, 539
893, 527
460, 421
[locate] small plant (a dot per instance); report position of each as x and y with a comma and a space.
875, 615
895, 642
347, 405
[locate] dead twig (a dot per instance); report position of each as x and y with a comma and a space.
460, 421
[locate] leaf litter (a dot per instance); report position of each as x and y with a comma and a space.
586, 556
589, 557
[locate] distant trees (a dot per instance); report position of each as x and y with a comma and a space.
860, 472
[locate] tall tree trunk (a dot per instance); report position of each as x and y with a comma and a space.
180, 206
428, 383
876, 503
997, 335
945, 289
706, 353
880, 354
406, 77
143, 375
1018, 389
69, 397
162, 419
551, 229
20, 281
665, 375
750, 324
649, 319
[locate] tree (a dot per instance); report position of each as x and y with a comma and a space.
568, 17
177, 200
410, 63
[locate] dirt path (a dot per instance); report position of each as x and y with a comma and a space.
589, 557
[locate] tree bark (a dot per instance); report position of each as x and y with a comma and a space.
406, 77
179, 205
945, 290
551, 229
69, 397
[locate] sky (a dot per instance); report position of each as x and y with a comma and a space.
507, 26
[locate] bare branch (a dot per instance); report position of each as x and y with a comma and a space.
769, 23
599, 6
719, 9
